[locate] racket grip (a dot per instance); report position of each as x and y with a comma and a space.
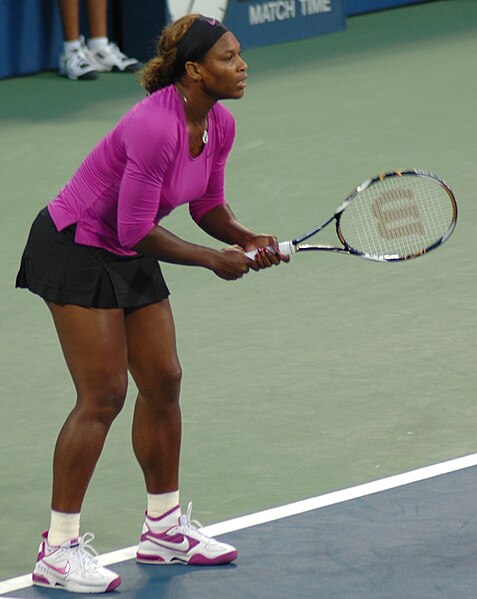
285, 247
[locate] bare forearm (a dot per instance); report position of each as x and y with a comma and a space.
229, 264
221, 223
163, 245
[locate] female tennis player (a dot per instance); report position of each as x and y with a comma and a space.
93, 254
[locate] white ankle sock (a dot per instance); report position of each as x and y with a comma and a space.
71, 45
63, 527
159, 504
96, 43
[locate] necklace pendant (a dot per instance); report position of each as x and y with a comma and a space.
205, 137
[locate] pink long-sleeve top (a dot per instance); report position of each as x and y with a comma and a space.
140, 171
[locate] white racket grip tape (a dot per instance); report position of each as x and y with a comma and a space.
285, 247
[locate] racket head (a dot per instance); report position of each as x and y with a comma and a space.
396, 216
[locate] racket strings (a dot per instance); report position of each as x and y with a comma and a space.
398, 217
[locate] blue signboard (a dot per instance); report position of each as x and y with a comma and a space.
356, 7
262, 22
257, 23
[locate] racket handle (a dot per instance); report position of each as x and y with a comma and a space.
285, 247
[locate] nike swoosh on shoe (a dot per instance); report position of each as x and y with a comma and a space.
179, 543
61, 570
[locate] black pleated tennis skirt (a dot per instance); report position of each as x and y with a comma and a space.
59, 270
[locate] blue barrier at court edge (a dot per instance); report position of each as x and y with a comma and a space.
31, 35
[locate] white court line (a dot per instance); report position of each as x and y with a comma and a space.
299, 507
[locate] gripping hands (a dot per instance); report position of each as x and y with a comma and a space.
232, 262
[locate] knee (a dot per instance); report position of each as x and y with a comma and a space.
163, 389
106, 402
169, 382
172, 377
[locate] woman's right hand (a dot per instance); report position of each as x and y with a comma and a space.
231, 263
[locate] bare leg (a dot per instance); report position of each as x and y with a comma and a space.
155, 367
69, 10
97, 18
94, 346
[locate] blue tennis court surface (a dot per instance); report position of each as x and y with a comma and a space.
417, 540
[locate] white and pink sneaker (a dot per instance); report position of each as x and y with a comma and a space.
73, 566
175, 538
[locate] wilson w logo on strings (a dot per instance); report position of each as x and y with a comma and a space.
397, 214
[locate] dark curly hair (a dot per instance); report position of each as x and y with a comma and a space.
161, 70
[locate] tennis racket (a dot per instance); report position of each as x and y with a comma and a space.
395, 216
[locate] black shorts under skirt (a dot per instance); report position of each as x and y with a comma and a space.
62, 271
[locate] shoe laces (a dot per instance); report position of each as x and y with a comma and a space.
86, 553
114, 49
190, 525
78, 57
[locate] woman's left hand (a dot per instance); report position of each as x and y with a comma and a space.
268, 253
